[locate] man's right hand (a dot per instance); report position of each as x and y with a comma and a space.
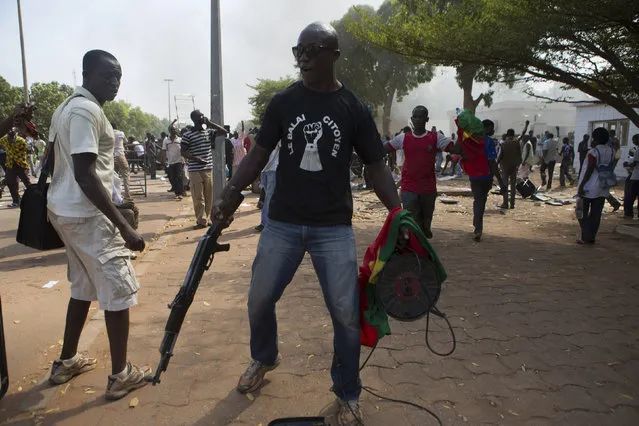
133, 240
218, 216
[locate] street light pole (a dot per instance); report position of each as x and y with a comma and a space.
217, 106
24, 60
168, 83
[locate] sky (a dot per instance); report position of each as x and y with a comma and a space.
160, 39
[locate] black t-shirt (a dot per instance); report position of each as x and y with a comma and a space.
319, 132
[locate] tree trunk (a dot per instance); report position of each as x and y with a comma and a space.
465, 78
386, 112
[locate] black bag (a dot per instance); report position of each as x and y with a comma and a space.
34, 228
526, 188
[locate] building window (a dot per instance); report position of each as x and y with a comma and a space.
621, 128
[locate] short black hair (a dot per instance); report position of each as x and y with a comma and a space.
566, 140
92, 59
551, 135
510, 132
600, 136
421, 108
406, 129
488, 123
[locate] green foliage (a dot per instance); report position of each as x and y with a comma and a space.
265, 90
9, 97
376, 75
47, 97
133, 121
590, 45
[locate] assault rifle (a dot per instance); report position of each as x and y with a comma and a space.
202, 259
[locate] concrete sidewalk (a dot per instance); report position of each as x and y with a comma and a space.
33, 316
546, 332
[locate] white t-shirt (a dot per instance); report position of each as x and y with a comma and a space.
118, 147
173, 150
81, 127
604, 155
138, 148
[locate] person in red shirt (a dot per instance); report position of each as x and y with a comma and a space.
419, 183
478, 161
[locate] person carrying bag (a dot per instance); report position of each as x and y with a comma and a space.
34, 228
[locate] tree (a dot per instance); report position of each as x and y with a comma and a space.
9, 97
367, 28
47, 97
265, 90
379, 77
589, 45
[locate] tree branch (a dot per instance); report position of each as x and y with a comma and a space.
561, 100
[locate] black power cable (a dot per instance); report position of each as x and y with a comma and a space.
435, 311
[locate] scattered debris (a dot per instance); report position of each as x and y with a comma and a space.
16, 321
448, 201
50, 284
66, 388
250, 396
134, 402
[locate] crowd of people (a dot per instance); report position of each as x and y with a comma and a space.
303, 158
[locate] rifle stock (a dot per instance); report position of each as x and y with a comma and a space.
202, 259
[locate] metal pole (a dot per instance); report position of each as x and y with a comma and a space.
24, 60
168, 83
217, 108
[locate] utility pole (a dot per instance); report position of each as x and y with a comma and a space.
168, 83
24, 60
217, 104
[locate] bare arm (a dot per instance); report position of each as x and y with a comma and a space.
21, 111
523, 132
589, 171
247, 171
493, 168
384, 184
189, 157
86, 177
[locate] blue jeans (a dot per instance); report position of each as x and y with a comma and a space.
267, 181
279, 253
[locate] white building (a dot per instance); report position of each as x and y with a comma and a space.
591, 116
557, 118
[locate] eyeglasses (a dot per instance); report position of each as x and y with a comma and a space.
311, 51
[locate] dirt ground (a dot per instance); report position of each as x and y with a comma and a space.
546, 330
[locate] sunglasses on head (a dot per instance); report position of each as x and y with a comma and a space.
311, 51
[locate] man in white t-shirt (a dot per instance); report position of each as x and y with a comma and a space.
172, 149
592, 189
95, 233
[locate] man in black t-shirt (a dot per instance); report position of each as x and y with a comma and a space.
319, 122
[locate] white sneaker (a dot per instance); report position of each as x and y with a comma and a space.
62, 373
